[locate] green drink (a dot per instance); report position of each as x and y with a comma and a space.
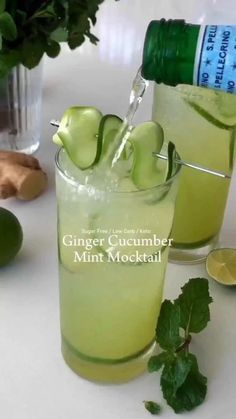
202, 124
113, 250
199, 115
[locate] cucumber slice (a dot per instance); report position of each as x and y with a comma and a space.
57, 140
145, 139
208, 116
218, 108
172, 155
108, 128
78, 133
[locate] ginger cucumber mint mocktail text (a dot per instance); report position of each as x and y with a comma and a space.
111, 248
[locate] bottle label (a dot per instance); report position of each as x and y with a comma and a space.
215, 63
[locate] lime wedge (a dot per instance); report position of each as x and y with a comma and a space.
145, 139
78, 133
221, 266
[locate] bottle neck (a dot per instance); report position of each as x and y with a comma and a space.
169, 52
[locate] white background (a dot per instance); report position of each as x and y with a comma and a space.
35, 383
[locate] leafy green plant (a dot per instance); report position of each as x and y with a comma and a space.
30, 28
182, 384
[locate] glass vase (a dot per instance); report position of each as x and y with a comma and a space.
20, 109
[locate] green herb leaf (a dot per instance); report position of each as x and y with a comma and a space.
152, 407
167, 331
76, 40
183, 386
2, 5
194, 389
59, 35
7, 61
173, 376
20, 19
52, 49
45, 12
176, 371
30, 27
32, 52
93, 39
7, 27
194, 305
156, 362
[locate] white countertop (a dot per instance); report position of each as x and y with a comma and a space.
35, 383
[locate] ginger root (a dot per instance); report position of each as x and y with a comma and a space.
20, 176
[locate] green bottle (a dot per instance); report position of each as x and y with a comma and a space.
176, 52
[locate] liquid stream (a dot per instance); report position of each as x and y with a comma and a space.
138, 90
105, 173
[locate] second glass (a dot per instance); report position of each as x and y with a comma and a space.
202, 124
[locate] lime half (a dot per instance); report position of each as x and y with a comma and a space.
11, 236
221, 266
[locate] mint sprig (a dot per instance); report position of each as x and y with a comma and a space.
182, 384
30, 28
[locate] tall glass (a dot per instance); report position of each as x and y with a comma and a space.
113, 251
20, 109
202, 124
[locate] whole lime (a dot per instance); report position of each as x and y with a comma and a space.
11, 236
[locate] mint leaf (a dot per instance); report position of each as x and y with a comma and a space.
52, 48
28, 27
75, 40
59, 35
2, 5
45, 12
182, 384
194, 305
174, 375
7, 61
193, 391
7, 27
32, 52
156, 362
152, 407
167, 331
93, 39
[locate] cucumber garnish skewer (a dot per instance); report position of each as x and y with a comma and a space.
88, 137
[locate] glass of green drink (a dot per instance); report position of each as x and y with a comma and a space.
113, 251
202, 124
